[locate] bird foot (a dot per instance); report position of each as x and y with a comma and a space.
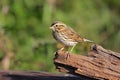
68, 55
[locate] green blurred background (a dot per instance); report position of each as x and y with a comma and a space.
26, 42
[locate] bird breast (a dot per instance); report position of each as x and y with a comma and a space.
62, 38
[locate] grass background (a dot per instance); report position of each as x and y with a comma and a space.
24, 28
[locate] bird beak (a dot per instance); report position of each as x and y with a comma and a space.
52, 28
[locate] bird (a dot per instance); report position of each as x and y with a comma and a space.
66, 35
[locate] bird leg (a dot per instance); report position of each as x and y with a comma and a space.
72, 48
68, 54
63, 48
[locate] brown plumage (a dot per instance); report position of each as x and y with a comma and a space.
66, 35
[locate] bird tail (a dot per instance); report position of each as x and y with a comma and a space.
86, 40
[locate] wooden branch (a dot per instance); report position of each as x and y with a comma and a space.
32, 75
99, 64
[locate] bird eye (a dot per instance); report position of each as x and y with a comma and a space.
56, 25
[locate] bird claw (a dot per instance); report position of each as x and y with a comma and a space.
68, 55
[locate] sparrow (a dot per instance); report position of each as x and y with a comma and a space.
66, 35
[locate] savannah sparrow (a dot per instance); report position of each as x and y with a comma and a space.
66, 35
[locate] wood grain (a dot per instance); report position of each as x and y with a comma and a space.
99, 64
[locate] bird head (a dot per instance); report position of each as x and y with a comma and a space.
57, 26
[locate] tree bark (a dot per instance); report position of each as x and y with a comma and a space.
99, 64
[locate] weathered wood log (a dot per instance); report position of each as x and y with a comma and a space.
99, 64
33, 75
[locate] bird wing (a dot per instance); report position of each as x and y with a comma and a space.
74, 35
